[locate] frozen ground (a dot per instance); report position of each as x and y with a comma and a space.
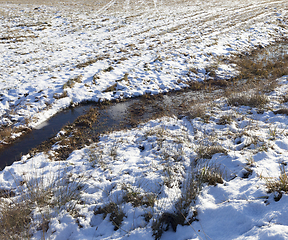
145, 48
147, 171
122, 186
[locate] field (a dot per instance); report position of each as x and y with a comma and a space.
212, 166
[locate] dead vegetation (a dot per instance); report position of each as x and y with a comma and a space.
5, 132
14, 220
257, 100
111, 88
72, 81
278, 185
283, 111
79, 134
75, 136
207, 152
138, 199
35, 194
192, 186
60, 95
263, 63
116, 214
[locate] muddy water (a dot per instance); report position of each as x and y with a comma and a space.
114, 116
22, 145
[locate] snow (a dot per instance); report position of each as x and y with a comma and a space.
153, 159
41, 49
156, 47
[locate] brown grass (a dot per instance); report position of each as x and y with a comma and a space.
138, 199
210, 174
111, 88
248, 99
15, 220
87, 63
72, 81
197, 110
207, 152
116, 214
60, 95
5, 132
280, 184
59, 193
225, 119
266, 66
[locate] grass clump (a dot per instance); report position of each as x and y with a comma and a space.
211, 175
266, 63
15, 219
72, 81
283, 111
5, 132
87, 63
137, 199
184, 209
207, 152
60, 95
109, 69
36, 194
95, 156
248, 99
197, 111
111, 88
225, 119
88, 119
280, 184
116, 214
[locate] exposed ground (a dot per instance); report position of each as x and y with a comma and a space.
61, 54
209, 168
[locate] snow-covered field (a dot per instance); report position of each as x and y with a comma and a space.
148, 171
138, 183
141, 49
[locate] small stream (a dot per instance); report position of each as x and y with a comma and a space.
30, 140
111, 117
114, 116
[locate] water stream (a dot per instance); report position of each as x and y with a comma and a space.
113, 116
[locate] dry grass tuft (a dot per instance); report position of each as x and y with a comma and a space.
15, 219
248, 99
60, 95
72, 81
111, 88
5, 132
267, 63
59, 193
197, 110
211, 175
116, 214
280, 184
225, 119
87, 63
137, 199
88, 119
207, 152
